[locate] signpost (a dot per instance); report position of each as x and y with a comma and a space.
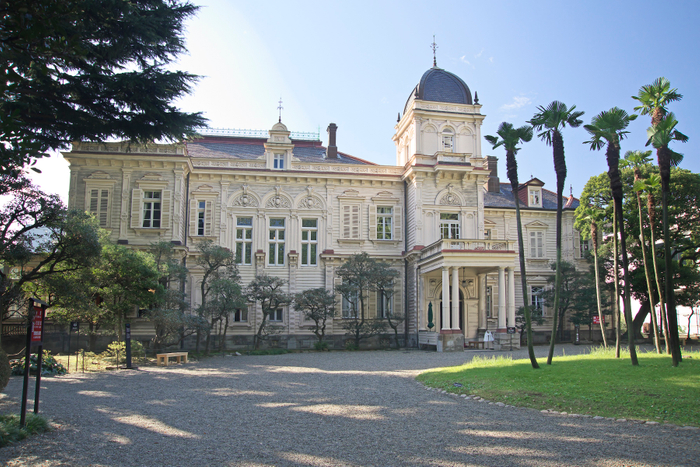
127, 338
35, 337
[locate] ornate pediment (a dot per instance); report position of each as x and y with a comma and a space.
278, 200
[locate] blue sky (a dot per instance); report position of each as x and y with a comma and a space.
355, 63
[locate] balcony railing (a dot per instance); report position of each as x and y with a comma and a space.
456, 245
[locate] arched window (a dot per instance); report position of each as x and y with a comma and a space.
448, 139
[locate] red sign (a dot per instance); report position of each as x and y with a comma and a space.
38, 326
596, 320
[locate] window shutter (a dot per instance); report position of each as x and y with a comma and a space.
193, 217
533, 245
577, 244
540, 244
208, 216
372, 222
338, 298
398, 223
136, 207
346, 222
104, 208
397, 299
355, 222
165, 210
94, 196
373, 308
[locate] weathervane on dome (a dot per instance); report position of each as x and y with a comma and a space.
279, 107
434, 46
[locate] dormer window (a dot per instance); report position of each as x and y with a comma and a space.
278, 161
535, 198
448, 140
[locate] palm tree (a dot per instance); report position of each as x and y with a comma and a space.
636, 160
655, 97
588, 219
651, 183
509, 138
549, 122
609, 128
660, 136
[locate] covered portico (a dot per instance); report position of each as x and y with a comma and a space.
457, 269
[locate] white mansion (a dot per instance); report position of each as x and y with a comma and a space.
292, 208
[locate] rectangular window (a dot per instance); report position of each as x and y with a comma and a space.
489, 301
384, 223
201, 211
240, 315
537, 244
536, 301
309, 241
487, 234
535, 198
584, 247
99, 205
449, 225
244, 240
276, 242
151, 209
279, 161
350, 306
276, 316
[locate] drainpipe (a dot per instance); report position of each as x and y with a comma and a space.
405, 261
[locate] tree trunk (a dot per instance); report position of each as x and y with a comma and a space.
560, 168
625, 272
616, 268
671, 316
655, 326
513, 177
651, 205
594, 236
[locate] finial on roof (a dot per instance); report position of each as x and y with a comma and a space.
398, 118
279, 107
434, 46
571, 190
476, 97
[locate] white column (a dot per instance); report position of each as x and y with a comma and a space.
445, 316
455, 298
481, 284
501, 298
511, 296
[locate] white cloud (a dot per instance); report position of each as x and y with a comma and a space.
479, 54
491, 59
464, 59
518, 102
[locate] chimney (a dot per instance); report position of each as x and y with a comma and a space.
494, 185
332, 151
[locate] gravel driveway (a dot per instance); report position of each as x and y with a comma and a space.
317, 409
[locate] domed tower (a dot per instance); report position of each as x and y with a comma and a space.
440, 121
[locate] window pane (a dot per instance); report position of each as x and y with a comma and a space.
304, 251
308, 223
244, 221
276, 222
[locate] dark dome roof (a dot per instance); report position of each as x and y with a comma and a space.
439, 85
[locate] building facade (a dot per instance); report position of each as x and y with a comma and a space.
290, 207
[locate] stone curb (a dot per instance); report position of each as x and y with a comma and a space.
474, 397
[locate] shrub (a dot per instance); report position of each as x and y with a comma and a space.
116, 347
5, 370
49, 365
351, 346
10, 431
268, 352
321, 345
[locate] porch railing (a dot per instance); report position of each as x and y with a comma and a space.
467, 245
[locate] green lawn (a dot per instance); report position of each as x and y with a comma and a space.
595, 384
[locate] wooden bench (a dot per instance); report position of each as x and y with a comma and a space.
164, 358
475, 344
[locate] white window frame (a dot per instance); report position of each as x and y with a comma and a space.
276, 316
536, 300
537, 245
385, 223
347, 307
149, 202
450, 226
384, 303
240, 315
244, 243
276, 241
309, 243
278, 161
535, 197
448, 140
